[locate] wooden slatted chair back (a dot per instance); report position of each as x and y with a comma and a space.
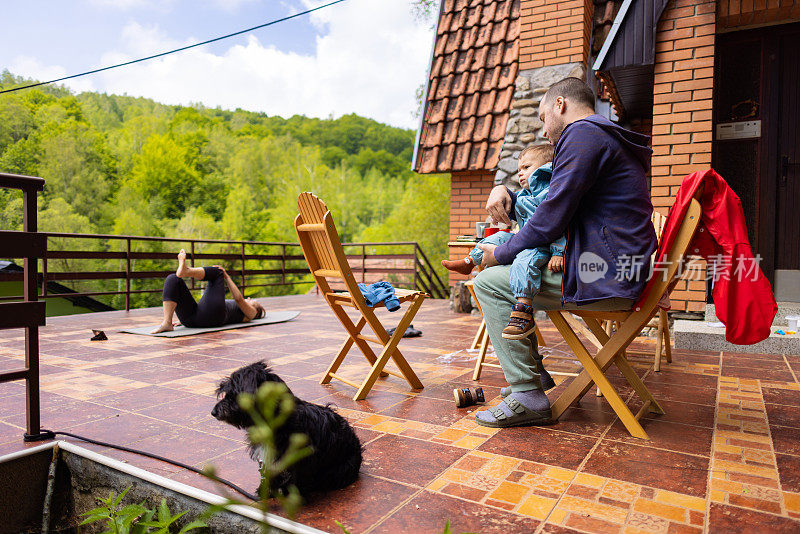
322, 247
669, 269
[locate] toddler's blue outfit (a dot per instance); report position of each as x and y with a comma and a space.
379, 292
526, 269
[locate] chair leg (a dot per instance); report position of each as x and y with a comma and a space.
657, 356
476, 374
334, 366
390, 351
625, 368
540, 337
664, 322
478, 336
352, 331
593, 371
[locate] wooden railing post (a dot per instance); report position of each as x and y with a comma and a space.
191, 257
31, 264
416, 266
363, 264
128, 274
30, 245
244, 281
283, 264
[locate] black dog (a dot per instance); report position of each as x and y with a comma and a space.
337, 450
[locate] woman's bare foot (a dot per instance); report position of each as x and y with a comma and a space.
182, 271
164, 327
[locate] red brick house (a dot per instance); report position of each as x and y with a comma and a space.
715, 82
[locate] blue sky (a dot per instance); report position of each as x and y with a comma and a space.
362, 56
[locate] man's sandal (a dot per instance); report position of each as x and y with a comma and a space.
521, 416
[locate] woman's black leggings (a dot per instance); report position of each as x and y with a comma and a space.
210, 311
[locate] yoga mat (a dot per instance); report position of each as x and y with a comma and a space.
180, 331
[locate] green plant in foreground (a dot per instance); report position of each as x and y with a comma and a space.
135, 518
269, 409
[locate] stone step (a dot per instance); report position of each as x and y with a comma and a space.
784, 309
698, 335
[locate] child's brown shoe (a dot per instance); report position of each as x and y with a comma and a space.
468, 397
463, 266
521, 323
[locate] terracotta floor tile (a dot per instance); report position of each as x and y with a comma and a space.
685, 413
724, 518
789, 470
781, 396
666, 435
122, 429
783, 415
550, 528
435, 411
141, 398
776, 372
428, 512
358, 506
376, 401
647, 466
408, 460
541, 445
10, 433
586, 422
678, 393
785, 439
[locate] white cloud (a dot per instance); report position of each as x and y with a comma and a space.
30, 67
125, 5
370, 56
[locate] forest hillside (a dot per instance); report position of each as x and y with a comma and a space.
125, 165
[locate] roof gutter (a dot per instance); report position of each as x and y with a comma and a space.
612, 34
425, 91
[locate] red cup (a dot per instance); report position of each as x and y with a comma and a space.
489, 231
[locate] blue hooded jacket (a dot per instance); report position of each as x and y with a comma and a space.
529, 198
599, 197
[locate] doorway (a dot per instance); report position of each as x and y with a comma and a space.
756, 144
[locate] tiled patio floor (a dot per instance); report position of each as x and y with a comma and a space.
725, 458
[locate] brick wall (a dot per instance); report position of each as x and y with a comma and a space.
554, 32
740, 14
682, 103
468, 194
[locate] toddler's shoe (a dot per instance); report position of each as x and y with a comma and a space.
468, 397
521, 323
462, 266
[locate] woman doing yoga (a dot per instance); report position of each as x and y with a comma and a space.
213, 309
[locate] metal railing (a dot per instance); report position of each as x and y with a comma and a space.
28, 314
255, 264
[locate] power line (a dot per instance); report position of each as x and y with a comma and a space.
306, 12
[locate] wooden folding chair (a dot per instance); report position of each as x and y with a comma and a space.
326, 259
613, 346
660, 321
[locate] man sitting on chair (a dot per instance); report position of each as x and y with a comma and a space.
599, 198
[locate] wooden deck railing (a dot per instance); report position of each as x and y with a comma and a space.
253, 264
28, 314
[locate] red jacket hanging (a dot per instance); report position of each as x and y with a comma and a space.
742, 295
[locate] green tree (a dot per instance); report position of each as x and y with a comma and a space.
165, 173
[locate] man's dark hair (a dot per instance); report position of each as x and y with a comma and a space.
573, 89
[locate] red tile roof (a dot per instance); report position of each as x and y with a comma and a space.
470, 86
471, 82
